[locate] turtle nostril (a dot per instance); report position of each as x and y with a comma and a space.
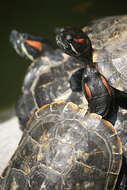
13, 36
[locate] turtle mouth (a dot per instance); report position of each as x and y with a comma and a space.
66, 47
16, 41
60, 43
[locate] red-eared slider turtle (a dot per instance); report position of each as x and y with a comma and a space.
47, 78
108, 49
29, 46
61, 149
95, 87
111, 63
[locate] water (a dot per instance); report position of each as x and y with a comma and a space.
41, 18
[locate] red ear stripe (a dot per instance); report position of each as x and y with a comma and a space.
106, 85
35, 44
80, 40
88, 91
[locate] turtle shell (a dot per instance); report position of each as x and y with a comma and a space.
63, 149
47, 80
109, 40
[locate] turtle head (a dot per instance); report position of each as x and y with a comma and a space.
74, 42
27, 45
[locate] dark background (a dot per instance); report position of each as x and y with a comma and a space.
41, 17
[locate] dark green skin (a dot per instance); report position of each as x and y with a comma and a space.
62, 149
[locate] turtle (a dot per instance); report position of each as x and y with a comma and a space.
95, 87
47, 78
108, 49
64, 149
110, 60
29, 46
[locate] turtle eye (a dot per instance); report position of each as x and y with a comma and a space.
68, 37
61, 29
